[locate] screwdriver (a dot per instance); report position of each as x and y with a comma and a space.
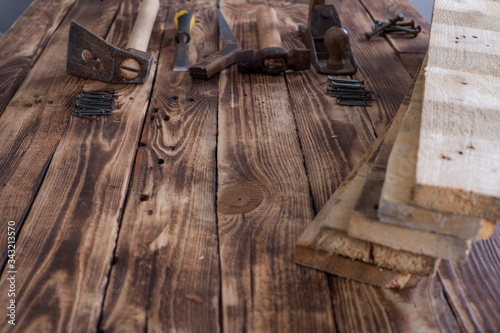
184, 22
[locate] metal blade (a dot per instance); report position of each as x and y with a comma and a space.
225, 32
91, 57
181, 58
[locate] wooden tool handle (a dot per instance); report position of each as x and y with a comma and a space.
139, 38
216, 62
267, 25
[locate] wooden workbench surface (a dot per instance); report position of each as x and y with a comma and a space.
180, 211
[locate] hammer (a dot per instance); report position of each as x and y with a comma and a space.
90, 56
272, 58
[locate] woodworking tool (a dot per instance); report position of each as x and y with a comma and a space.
227, 56
272, 58
329, 42
90, 56
385, 25
184, 22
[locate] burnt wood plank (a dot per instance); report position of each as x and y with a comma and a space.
38, 114
66, 247
166, 276
378, 64
263, 202
334, 138
363, 308
473, 288
22, 44
388, 9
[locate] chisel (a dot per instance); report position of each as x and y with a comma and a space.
184, 22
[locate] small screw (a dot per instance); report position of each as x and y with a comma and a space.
397, 28
347, 102
385, 25
332, 79
356, 98
348, 95
347, 86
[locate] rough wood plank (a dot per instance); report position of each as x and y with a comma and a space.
66, 247
331, 250
473, 288
397, 172
368, 227
380, 66
38, 114
388, 9
262, 288
412, 62
457, 165
22, 44
358, 307
307, 254
364, 223
166, 276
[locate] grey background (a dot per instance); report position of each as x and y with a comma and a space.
10, 10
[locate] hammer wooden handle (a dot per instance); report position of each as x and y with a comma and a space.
267, 25
141, 32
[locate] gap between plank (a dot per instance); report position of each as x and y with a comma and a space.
130, 177
28, 209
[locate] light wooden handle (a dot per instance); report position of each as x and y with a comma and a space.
139, 38
267, 25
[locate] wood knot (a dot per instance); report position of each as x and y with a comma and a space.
240, 199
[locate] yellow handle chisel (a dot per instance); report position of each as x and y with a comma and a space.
184, 22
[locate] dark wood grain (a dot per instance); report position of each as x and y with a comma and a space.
333, 137
262, 288
363, 308
166, 272
38, 114
473, 288
388, 9
22, 44
379, 65
66, 246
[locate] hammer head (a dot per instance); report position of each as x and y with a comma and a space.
90, 56
274, 60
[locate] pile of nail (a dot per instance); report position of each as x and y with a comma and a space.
349, 92
94, 103
392, 26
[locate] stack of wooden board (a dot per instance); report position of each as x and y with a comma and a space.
430, 186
